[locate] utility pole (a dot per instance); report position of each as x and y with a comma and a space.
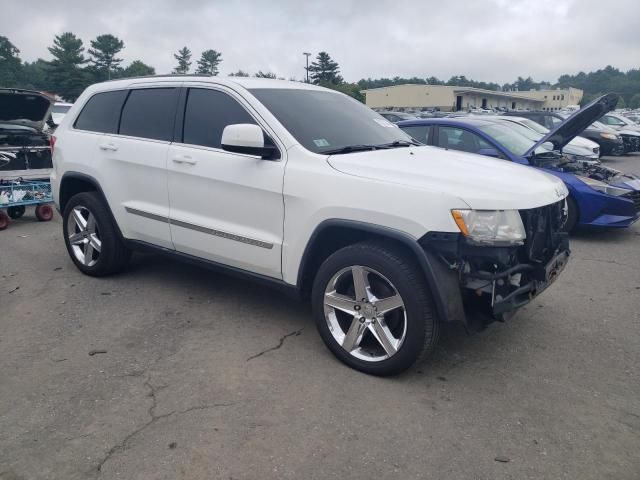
306, 54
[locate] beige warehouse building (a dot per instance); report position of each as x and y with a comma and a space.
450, 98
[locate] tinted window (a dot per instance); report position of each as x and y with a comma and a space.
323, 120
419, 132
207, 113
149, 113
101, 112
460, 139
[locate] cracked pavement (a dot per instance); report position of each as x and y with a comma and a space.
207, 376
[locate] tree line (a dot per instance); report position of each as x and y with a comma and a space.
71, 70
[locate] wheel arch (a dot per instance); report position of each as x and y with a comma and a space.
73, 183
333, 234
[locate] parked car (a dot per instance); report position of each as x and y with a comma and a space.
58, 112
584, 151
598, 196
25, 150
395, 117
307, 189
610, 142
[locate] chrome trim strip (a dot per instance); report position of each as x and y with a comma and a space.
144, 214
198, 228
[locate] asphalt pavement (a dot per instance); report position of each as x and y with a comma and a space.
170, 371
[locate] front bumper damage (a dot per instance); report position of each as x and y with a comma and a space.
486, 283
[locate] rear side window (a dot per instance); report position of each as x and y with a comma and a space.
207, 113
101, 112
149, 113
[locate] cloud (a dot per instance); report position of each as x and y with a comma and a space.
491, 40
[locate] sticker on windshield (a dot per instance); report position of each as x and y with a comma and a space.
321, 142
384, 123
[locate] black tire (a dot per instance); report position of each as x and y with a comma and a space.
114, 255
5, 220
572, 216
16, 212
399, 268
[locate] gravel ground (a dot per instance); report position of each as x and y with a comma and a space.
170, 371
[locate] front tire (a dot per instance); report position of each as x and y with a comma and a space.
91, 237
373, 309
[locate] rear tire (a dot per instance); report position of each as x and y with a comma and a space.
358, 339
91, 236
16, 212
5, 220
44, 213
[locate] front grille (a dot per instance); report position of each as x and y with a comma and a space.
543, 226
634, 196
631, 143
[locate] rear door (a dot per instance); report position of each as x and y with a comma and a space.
135, 178
225, 207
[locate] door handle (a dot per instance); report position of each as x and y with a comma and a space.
184, 159
108, 146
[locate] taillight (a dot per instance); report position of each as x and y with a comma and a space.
52, 142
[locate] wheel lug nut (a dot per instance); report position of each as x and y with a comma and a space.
362, 320
356, 308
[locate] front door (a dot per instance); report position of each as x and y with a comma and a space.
225, 207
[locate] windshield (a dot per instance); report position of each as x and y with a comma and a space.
522, 130
534, 126
325, 121
60, 108
508, 137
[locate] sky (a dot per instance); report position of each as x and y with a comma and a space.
490, 40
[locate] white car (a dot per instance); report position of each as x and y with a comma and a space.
59, 110
309, 190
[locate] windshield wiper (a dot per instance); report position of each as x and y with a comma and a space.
349, 149
362, 148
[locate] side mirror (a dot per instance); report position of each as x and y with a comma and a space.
489, 152
247, 139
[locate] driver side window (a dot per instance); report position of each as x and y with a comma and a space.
456, 138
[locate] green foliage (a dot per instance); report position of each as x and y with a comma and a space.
184, 61
137, 68
103, 52
66, 75
239, 73
635, 101
324, 70
35, 75
10, 64
621, 103
208, 63
262, 74
351, 89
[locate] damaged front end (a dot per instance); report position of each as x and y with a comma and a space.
486, 283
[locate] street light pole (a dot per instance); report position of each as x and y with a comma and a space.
306, 54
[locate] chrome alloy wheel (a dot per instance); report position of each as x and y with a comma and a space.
365, 313
84, 236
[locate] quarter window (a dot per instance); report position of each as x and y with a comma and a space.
206, 114
102, 112
149, 113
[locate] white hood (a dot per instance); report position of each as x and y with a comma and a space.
483, 183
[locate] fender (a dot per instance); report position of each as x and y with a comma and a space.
431, 272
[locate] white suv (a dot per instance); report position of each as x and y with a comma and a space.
311, 191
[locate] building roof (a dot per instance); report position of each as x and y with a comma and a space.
458, 89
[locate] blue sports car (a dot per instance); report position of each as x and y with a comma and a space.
598, 196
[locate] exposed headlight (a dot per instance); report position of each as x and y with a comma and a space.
491, 226
603, 187
610, 136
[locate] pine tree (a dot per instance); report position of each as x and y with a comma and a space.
325, 70
10, 63
66, 76
208, 63
104, 50
239, 73
137, 68
184, 61
262, 74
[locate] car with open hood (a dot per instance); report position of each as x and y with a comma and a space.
311, 191
599, 196
25, 150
